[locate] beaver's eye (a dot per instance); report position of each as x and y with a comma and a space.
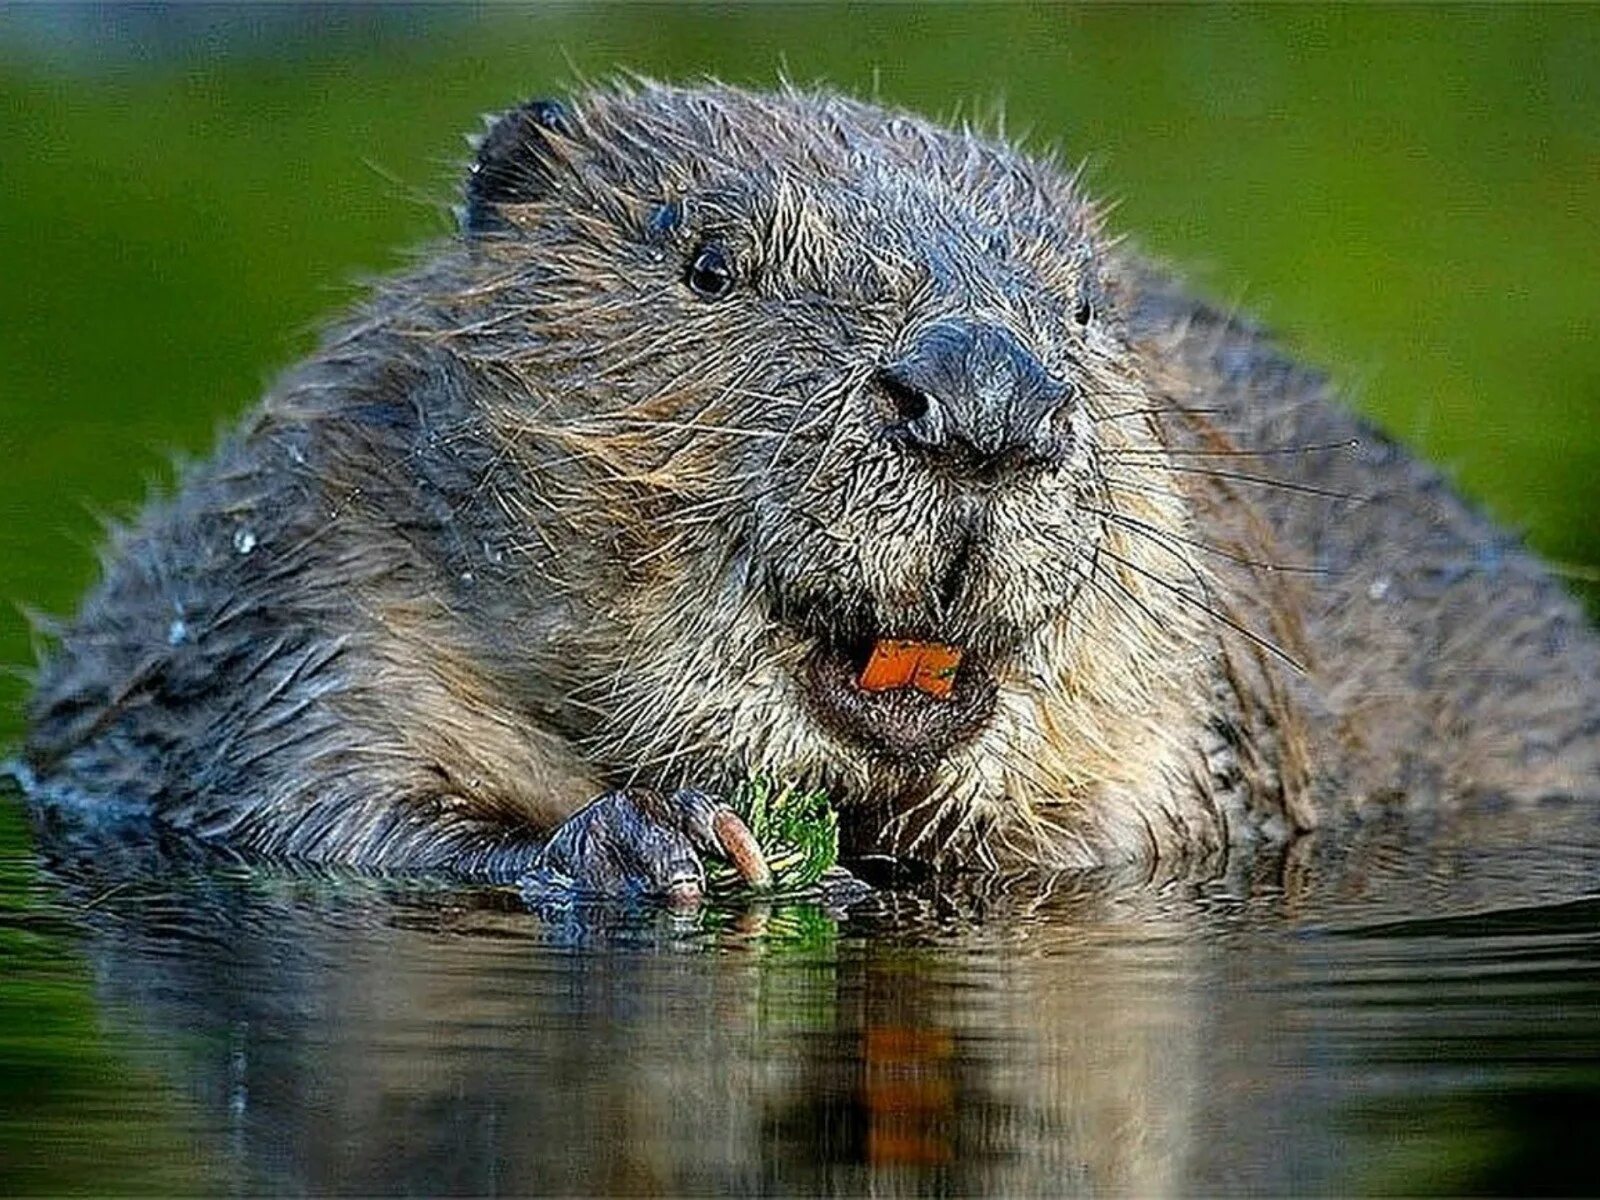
711, 272
1084, 313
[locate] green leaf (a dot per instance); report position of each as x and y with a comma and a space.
797, 829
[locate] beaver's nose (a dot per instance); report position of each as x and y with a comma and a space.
970, 394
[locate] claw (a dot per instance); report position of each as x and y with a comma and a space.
644, 843
740, 845
683, 893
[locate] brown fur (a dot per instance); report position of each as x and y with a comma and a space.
540, 521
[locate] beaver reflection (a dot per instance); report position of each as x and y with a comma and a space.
329, 1035
1134, 1037
1001, 1071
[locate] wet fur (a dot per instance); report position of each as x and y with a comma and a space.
538, 522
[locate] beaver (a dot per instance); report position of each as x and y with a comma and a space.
608, 504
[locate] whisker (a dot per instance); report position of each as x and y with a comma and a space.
1155, 452
1133, 489
1160, 535
1265, 643
1098, 573
1261, 480
1156, 410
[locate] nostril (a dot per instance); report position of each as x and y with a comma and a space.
911, 403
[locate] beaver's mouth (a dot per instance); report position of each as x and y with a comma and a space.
908, 724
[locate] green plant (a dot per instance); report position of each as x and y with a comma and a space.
797, 829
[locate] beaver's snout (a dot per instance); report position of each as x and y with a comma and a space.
969, 395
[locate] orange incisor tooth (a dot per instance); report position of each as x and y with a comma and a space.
927, 666
936, 670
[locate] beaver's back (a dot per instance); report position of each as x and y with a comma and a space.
1441, 658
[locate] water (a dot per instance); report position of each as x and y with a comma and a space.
1408, 1009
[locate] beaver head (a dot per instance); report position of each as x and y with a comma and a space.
772, 378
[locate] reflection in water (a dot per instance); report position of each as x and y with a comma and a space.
1401, 1019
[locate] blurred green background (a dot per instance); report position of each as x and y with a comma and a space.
1411, 195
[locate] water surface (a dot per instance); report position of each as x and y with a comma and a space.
1410, 1009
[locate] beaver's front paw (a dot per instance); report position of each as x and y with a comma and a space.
641, 843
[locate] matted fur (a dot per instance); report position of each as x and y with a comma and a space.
539, 521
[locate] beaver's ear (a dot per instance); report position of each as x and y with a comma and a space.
517, 161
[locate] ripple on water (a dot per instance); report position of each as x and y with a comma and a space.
1402, 1009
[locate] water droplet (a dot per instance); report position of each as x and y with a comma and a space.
244, 540
177, 632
